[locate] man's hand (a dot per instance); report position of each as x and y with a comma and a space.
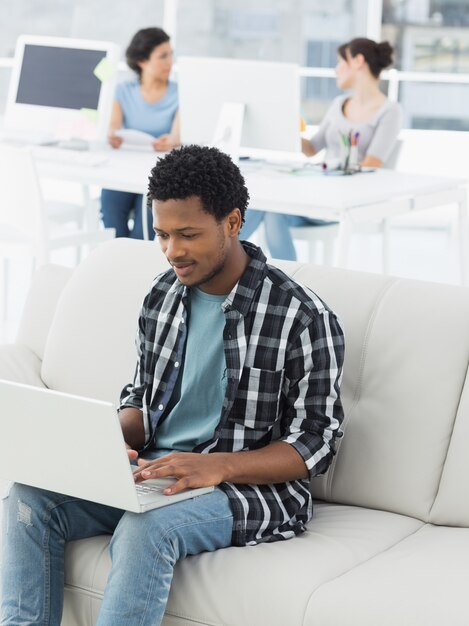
189, 468
276, 463
132, 454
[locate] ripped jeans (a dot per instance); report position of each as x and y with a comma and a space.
144, 549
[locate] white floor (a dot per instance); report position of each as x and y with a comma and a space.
425, 253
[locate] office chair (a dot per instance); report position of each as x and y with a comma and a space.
438, 153
322, 239
28, 224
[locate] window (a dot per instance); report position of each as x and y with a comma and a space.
428, 36
306, 32
435, 106
431, 36
107, 20
270, 30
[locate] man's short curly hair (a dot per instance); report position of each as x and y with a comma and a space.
203, 172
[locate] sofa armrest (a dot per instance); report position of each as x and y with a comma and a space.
19, 364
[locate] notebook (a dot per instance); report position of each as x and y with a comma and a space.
73, 445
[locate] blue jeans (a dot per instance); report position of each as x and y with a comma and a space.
144, 549
277, 230
116, 209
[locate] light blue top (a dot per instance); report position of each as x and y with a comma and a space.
195, 406
155, 119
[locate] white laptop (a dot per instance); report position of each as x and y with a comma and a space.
73, 445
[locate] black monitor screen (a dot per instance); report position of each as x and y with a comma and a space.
59, 77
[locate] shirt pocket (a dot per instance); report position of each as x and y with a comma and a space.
257, 398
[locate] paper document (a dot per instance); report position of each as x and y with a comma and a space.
135, 138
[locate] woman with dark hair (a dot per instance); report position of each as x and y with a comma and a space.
363, 113
148, 103
365, 109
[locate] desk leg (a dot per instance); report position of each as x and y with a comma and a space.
4, 286
92, 219
463, 237
343, 242
385, 233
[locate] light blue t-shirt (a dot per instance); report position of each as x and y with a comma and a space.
195, 406
155, 119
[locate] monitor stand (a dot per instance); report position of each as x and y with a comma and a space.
227, 136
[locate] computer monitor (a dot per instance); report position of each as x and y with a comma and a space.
61, 88
270, 93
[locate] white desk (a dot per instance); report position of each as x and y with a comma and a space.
123, 170
351, 200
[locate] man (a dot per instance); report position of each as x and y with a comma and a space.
236, 386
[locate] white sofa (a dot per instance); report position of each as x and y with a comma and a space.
389, 542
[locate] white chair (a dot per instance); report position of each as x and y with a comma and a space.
438, 153
28, 224
322, 240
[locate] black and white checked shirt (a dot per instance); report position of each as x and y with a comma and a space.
284, 351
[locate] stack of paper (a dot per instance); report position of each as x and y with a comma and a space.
135, 139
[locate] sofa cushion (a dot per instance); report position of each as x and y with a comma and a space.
20, 364
90, 349
421, 581
39, 309
339, 538
407, 349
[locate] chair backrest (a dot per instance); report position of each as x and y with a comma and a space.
434, 152
22, 213
391, 161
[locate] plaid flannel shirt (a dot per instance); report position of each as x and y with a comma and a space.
284, 351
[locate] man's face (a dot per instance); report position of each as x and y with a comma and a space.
195, 244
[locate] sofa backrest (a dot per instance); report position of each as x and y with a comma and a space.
90, 349
407, 347
39, 309
407, 351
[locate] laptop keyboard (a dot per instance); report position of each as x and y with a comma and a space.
149, 488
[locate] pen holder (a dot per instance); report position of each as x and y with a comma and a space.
353, 159
349, 159
344, 157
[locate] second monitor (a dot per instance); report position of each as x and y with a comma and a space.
270, 93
